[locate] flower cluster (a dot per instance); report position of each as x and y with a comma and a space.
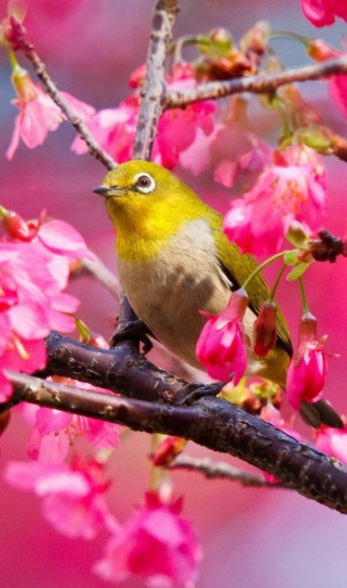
292, 187
34, 271
114, 128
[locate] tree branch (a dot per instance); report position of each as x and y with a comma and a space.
258, 84
121, 369
17, 37
154, 87
211, 422
220, 469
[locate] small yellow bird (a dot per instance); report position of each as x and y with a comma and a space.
174, 260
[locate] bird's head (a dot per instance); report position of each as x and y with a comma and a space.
142, 196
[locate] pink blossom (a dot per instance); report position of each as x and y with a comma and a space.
221, 346
156, 543
53, 431
323, 12
72, 496
38, 114
114, 128
308, 368
291, 188
332, 442
33, 273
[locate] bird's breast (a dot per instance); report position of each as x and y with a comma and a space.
168, 290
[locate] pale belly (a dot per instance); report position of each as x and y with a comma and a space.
168, 292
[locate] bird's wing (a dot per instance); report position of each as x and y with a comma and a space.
237, 273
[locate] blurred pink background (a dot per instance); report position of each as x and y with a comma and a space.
253, 538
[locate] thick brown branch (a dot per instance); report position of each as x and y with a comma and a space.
211, 422
121, 369
20, 42
258, 84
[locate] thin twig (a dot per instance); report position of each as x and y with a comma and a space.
97, 270
258, 84
220, 469
21, 42
211, 422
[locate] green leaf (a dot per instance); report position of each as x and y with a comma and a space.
297, 271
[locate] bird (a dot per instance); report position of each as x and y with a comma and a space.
174, 261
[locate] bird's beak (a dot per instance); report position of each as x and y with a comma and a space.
107, 192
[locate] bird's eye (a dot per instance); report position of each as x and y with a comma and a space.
144, 183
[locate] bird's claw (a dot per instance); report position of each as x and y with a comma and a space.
191, 396
134, 331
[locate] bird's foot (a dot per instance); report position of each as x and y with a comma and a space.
192, 393
134, 331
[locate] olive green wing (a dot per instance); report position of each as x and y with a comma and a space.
238, 267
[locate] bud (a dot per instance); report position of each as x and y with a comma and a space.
217, 44
319, 50
256, 39
167, 450
16, 226
264, 329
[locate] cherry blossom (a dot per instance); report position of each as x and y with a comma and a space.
156, 543
72, 496
38, 114
308, 368
291, 188
178, 129
221, 346
323, 12
34, 270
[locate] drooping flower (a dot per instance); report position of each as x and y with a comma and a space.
72, 496
291, 188
221, 347
308, 368
38, 114
323, 12
156, 543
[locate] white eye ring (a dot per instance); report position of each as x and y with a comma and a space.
144, 183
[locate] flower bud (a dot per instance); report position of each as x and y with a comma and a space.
264, 329
167, 450
16, 226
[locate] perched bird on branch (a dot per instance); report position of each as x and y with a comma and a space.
174, 261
